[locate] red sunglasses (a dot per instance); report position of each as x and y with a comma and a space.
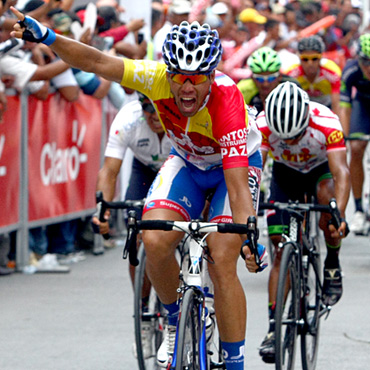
194, 79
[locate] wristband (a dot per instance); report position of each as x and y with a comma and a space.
36, 32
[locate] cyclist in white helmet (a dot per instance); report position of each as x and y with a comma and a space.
306, 142
215, 147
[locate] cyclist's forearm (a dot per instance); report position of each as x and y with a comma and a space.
342, 192
88, 58
345, 119
341, 176
239, 195
107, 184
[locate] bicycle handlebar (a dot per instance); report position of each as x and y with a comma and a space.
297, 207
102, 206
360, 138
192, 227
189, 227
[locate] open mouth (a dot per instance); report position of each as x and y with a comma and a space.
188, 103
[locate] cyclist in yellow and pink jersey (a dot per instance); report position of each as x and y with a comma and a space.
215, 149
306, 142
319, 77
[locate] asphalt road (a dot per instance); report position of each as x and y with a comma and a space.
83, 320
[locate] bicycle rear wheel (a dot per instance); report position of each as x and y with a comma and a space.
287, 313
311, 313
146, 352
189, 333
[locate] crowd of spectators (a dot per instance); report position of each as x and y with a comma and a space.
243, 25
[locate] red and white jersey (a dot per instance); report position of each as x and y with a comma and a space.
323, 135
222, 133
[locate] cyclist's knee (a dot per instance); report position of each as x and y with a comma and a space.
358, 149
158, 244
222, 266
324, 222
325, 191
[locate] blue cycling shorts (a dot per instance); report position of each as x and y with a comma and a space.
182, 187
360, 117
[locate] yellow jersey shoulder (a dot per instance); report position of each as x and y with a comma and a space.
147, 77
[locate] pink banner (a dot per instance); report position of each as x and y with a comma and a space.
10, 143
63, 155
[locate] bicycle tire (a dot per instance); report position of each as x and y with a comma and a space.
311, 312
287, 311
189, 333
154, 315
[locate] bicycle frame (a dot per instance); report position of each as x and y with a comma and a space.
295, 312
300, 237
194, 277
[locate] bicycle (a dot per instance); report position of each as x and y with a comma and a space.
299, 300
154, 313
192, 350
366, 192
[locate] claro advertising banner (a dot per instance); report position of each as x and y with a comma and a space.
63, 155
10, 159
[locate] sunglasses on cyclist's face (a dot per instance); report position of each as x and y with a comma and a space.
148, 107
364, 61
307, 57
266, 78
194, 79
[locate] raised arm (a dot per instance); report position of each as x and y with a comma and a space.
74, 53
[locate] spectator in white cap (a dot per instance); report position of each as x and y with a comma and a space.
178, 11
223, 13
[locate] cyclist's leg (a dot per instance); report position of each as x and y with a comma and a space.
360, 124
174, 195
230, 303
333, 288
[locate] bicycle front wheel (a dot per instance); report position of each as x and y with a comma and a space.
287, 313
152, 319
311, 312
189, 333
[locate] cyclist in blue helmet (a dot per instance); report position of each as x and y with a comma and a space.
215, 147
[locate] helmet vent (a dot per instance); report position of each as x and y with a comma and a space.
181, 54
199, 56
191, 46
193, 35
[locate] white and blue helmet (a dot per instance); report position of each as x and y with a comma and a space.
192, 48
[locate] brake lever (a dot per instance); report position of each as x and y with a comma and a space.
101, 207
130, 248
